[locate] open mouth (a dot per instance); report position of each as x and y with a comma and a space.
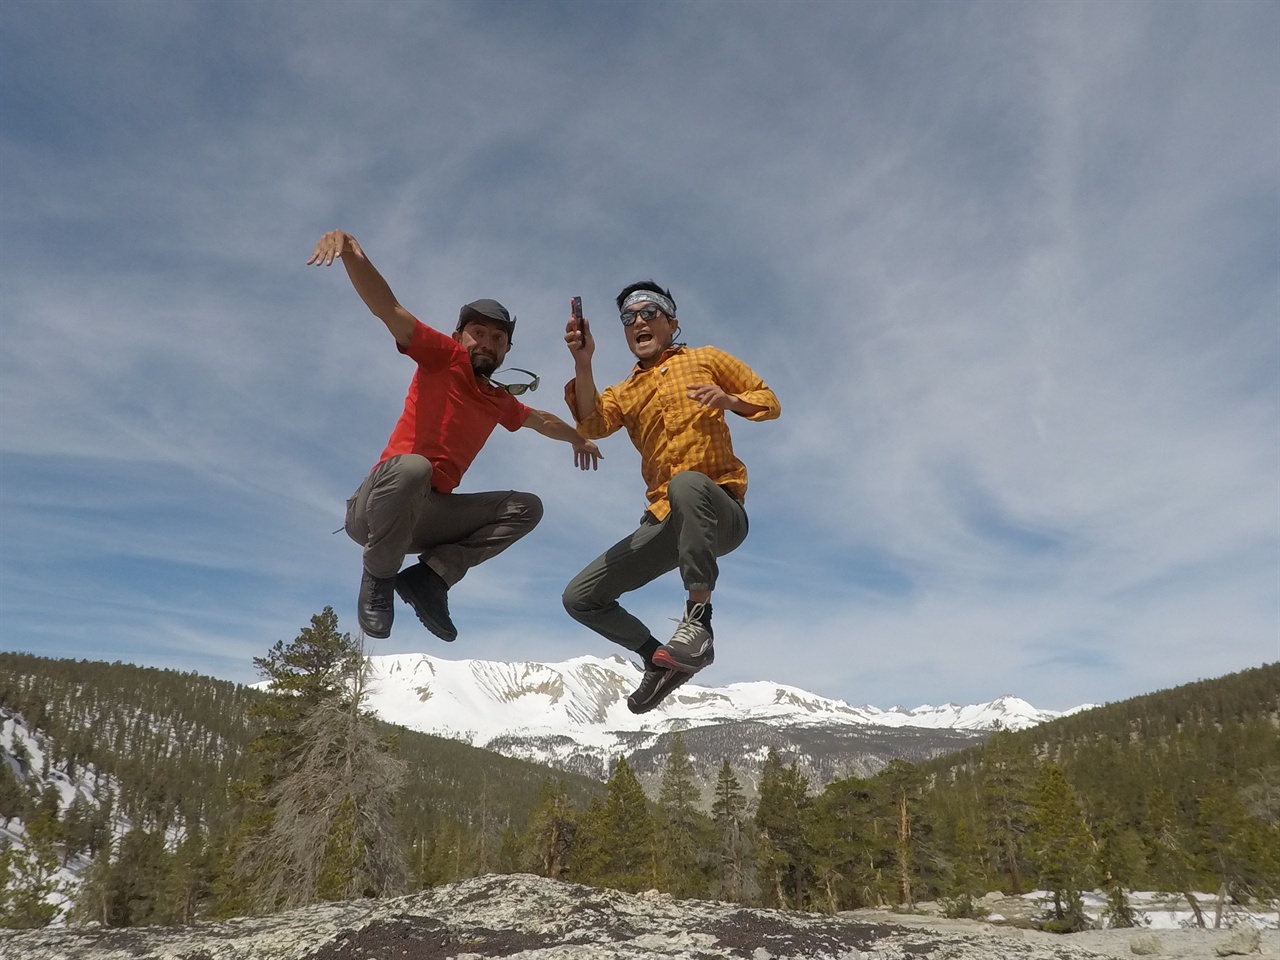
643, 338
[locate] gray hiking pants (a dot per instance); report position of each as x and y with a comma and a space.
705, 522
395, 512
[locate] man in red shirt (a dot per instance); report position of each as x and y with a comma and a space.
406, 504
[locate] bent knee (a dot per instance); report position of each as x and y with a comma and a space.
526, 506
577, 600
688, 482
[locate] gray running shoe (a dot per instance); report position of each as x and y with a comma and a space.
689, 650
658, 683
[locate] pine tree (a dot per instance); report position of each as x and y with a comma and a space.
549, 837
1062, 848
483, 827
510, 852
29, 885
1115, 868
965, 870
844, 850
1007, 773
734, 876
137, 881
446, 855
323, 826
783, 853
10, 795
682, 829
92, 900
901, 785
190, 879
315, 666
77, 828
1240, 848
21, 754
618, 842
1174, 865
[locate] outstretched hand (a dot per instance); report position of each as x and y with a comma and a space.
586, 455
331, 246
710, 395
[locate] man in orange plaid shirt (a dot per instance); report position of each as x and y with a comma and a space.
673, 406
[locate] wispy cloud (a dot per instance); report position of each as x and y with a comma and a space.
1010, 268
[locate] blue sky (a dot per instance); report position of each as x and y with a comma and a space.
1011, 269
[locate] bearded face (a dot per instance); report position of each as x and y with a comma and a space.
486, 344
483, 364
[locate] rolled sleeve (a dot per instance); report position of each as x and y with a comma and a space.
744, 383
600, 423
764, 397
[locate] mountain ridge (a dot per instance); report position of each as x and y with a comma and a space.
572, 714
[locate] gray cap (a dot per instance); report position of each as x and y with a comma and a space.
485, 309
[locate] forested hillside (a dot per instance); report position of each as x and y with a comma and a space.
134, 761
174, 741
195, 798
1177, 790
170, 742
1180, 742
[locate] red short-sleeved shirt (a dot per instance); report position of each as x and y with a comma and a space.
448, 413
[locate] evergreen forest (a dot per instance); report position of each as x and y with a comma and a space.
200, 798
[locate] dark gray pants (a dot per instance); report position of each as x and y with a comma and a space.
395, 512
705, 522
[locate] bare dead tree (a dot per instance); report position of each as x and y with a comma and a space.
332, 832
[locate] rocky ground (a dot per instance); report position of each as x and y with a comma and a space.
1160, 944
531, 918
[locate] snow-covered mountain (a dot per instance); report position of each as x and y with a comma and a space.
573, 715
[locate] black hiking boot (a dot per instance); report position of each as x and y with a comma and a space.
425, 590
375, 609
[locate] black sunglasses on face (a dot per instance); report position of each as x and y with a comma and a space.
515, 389
647, 314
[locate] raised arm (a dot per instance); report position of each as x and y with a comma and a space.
582, 347
586, 454
373, 290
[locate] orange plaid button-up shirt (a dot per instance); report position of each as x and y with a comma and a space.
671, 431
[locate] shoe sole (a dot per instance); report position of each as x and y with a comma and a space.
663, 658
661, 694
444, 633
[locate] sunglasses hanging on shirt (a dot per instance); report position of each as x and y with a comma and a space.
515, 389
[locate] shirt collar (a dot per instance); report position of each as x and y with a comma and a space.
671, 351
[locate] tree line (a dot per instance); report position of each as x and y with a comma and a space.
1001, 819
1178, 792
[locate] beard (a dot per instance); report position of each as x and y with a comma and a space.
482, 365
